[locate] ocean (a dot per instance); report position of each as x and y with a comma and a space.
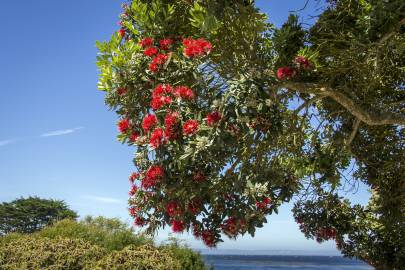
263, 262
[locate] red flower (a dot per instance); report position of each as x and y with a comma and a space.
157, 138
230, 227
133, 211
196, 47
133, 177
190, 127
173, 209
122, 91
153, 67
159, 99
159, 102
267, 200
133, 190
124, 125
140, 221
122, 32
208, 237
199, 177
134, 136
165, 43
151, 51
285, 73
161, 90
183, 92
263, 204
194, 207
178, 226
146, 42
196, 230
149, 121
154, 175
213, 118
302, 62
172, 129
159, 60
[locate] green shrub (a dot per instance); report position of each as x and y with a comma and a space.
140, 258
93, 244
109, 233
29, 252
189, 259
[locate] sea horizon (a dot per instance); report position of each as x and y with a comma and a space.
270, 252
275, 262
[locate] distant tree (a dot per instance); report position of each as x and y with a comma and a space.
27, 215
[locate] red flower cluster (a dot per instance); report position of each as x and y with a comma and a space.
149, 122
263, 204
160, 97
208, 238
178, 226
154, 174
325, 234
133, 211
124, 125
133, 190
146, 42
157, 62
230, 227
183, 92
302, 63
122, 91
165, 44
172, 125
122, 32
151, 51
213, 118
134, 136
140, 221
133, 177
174, 209
196, 47
284, 73
195, 206
157, 138
190, 127
196, 230
199, 177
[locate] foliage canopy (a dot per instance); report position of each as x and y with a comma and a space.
27, 215
232, 117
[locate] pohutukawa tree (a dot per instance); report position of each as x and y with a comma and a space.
231, 117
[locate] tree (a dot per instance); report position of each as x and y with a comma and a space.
232, 117
27, 215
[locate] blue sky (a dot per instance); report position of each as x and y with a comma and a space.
58, 139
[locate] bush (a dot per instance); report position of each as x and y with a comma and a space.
109, 233
36, 252
189, 259
94, 243
142, 258
30, 252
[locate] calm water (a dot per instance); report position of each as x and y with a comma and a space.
249, 262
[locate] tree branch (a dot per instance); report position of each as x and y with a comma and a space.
371, 118
354, 132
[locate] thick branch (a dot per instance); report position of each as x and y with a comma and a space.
371, 118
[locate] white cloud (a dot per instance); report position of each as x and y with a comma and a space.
6, 142
61, 132
103, 199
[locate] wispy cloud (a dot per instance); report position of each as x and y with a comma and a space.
61, 132
103, 199
6, 142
